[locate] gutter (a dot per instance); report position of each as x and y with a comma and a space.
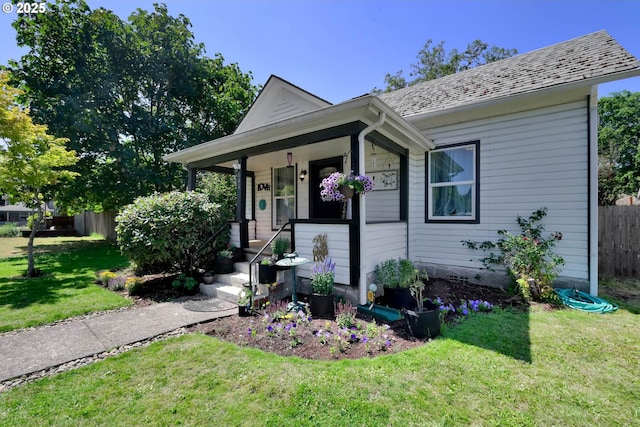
363, 207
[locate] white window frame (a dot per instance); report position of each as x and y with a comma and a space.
474, 183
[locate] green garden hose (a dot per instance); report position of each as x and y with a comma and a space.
583, 301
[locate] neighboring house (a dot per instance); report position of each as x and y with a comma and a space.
460, 157
16, 214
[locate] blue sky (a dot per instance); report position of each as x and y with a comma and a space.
339, 49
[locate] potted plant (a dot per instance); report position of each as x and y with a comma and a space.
321, 299
224, 262
424, 321
266, 271
279, 246
237, 254
339, 186
395, 276
245, 301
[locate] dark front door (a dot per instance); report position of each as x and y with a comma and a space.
318, 170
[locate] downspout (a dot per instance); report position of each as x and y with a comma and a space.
363, 207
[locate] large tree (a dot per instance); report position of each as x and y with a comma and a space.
433, 61
125, 93
32, 162
618, 146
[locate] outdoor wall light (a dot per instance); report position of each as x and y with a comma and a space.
289, 159
303, 174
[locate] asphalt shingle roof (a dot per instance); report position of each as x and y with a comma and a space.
586, 57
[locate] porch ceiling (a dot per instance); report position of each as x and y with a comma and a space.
334, 121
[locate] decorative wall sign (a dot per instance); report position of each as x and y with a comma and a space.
264, 186
320, 249
384, 180
262, 204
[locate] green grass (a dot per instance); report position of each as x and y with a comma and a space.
66, 287
506, 368
514, 369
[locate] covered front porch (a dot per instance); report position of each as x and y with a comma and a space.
279, 168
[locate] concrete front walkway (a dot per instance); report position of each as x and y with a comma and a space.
33, 350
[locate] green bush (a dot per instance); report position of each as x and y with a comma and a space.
9, 229
163, 232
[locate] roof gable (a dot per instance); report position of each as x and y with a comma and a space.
279, 100
587, 58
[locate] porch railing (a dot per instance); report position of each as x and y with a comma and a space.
208, 242
266, 245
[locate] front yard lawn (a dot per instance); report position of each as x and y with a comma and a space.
580, 370
65, 289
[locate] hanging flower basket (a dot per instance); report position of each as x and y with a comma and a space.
339, 187
346, 191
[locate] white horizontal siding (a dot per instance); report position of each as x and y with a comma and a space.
337, 244
382, 205
528, 160
385, 241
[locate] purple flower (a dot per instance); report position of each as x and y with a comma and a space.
388, 343
465, 311
270, 328
249, 331
353, 337
365, 340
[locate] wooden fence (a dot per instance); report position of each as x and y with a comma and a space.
619, 241
102, 223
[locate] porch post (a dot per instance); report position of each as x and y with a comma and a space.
241, 206
191, 178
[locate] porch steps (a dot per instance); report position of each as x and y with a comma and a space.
228, 286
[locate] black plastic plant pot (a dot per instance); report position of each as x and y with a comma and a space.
224, 266
244, 311
423, 324
399, 298
266, 273
321, 306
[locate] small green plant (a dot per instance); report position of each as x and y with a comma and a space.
266, 261
117, 283
394, 273
9, 229
322, 277
528, 255
416, 287
184, 282
345, 314
280, 245
134, 285
225, 254
244, 297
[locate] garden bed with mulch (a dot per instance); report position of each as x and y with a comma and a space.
319, 339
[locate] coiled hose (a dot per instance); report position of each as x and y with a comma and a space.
585, 302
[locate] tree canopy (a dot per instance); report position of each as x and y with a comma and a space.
32, 162
124, 93
433, 61
618, 146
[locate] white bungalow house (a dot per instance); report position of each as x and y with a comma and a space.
454, 158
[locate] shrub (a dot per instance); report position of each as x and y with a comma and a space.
528, 255
9, 229
117, 283
163, 232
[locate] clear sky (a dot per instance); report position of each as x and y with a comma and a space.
340, 49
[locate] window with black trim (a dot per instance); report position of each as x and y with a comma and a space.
452, 183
